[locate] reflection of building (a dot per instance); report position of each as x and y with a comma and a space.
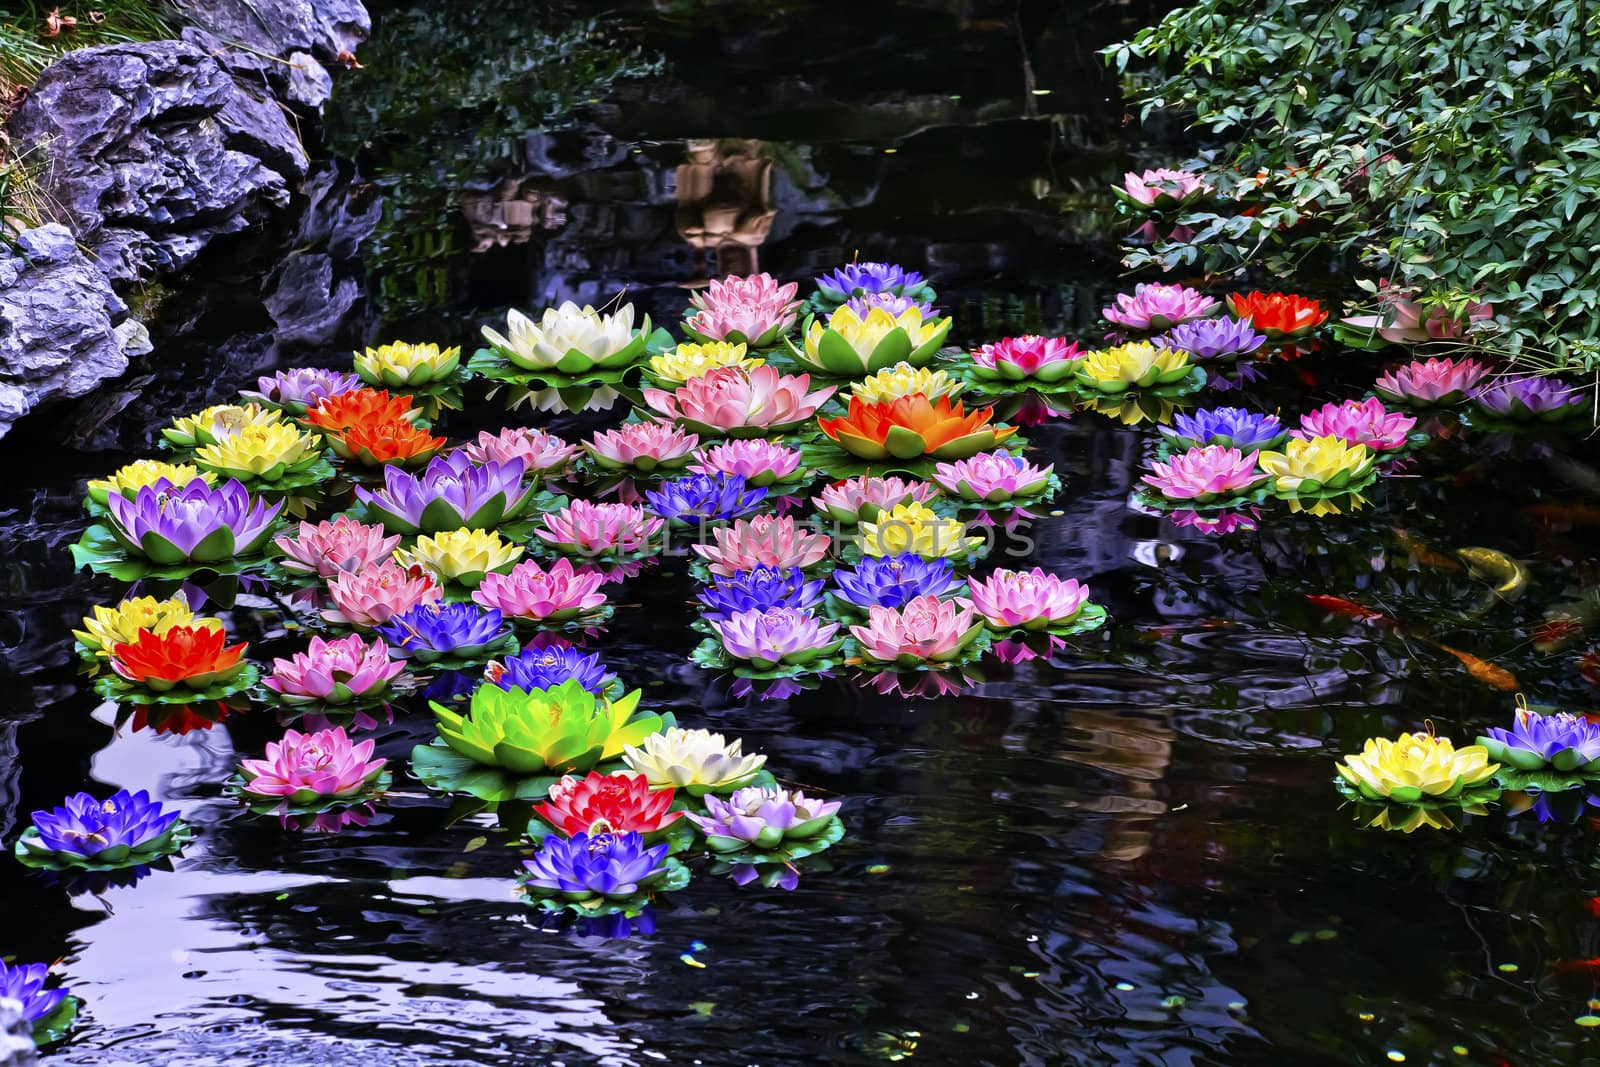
725, 204
510, 212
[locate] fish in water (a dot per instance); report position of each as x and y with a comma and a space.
1481, 669
1423, 554
1510, 578
1338, 605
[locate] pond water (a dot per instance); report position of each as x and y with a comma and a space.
1130, 852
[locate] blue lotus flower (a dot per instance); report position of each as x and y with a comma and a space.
26, 985
1248, 431
588, 865
894, 305
125, 825
1562, 741
759, 588
1214, 338
546, 668
862, 279
429, 631
895, 581
705, 497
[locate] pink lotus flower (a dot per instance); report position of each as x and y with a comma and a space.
1029, 356
1435, 381
775, 541
758, 462
736, 402
334, 546
926, 630
334, 672
861, 499
541, 453
1217, 523
1163, 187
1159, 307
307, 768
528, 591
644, 446
1360, 422
1203, 474
1032, 599
584, 528
374, 595
993, 477
754, 311
1404, 320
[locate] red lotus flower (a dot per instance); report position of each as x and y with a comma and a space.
195, 656
177, 718
1278, 315
607, 803
361, 407
374, 444
912, 426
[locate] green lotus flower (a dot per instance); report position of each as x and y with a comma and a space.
564, 730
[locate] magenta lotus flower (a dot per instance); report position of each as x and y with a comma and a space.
310, 768
1048, 359
643, 446
861, 499
993, 477
542, 454
1163, 188
770, 540
1154, 306
1440, 382
1216, 523
584, 528
760, 463
927, 630
778, 636
1033, 600
334, 672
739, 402
372, 596
528, 591
754, 311
1204, 474
334, 546
1360, 422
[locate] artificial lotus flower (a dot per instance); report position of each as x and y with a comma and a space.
124, 828
430, 631
894, 305
1561, 741
1139, 365
871, 279
549, 666
702, 498
776, 541
452, 492
895, 581
760, 463
25, 985
916, 528
361, 407
587, 866
697, 761
1416, 767
402, 364
532, 593
1278, 315
734, 402
1405, 320
762, 817
190, 656
1163, 189
1312, 465
1218, 338
311, 768
266, 453
564, 730
642, 446
926, 630
697, 360
334, 672
380, 444
584, 528
1360, 422
760, 588
571, 340
1217, 523
463, 557
1154, 306
301, 388
1045, 359
776, 637
911, 427
993, 477
211, 425
618, 803
863, 497
1441, 382
1248, 431
121, 623
194, 523
1033, 600
542, 454
374, 595
754, 311
1202, 475
902, 379
128, 480
1529, 398
850, 346
335, 546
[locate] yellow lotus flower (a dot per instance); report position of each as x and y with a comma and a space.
217, 422
266, 452
120, 624
1136, 365
1416, 766
1318, 464
903, 379
460, 556
850, 346
406, 364
1344, 504
914, 527
1408, 818
696, 361
698, 761
131, 478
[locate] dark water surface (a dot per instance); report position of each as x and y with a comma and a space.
1129, 854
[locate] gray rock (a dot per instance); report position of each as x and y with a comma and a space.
308, 306
328, 29
309, 84
16, 1035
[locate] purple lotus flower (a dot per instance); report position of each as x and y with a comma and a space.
1154, 306
1535, 742
428, 631
25, 984
1527, 398
789, 637
862, 279
548, 667
761, 817
193, 523
895, 581
894, 305
705, 498
123, 828
301, 388
1248, 431
588, 865
451, 494
759, 589
1218, 338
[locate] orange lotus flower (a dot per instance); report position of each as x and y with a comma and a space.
397, 441
913, 426
195, 656
1278, 315
361, 407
